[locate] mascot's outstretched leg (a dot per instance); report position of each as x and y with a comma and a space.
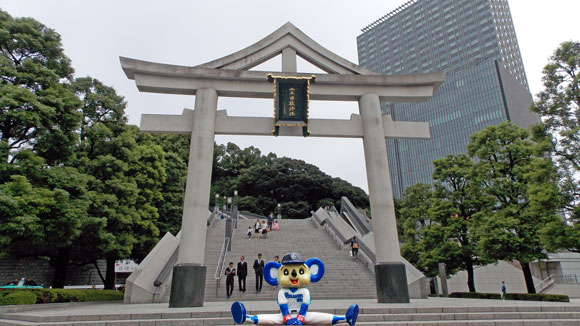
240, 316
352, 314
294, 274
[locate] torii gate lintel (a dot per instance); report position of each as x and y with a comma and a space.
262, 126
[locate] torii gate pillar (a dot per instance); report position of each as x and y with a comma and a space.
230, 76
390, 272
188, 282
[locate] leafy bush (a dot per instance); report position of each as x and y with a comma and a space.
475, 295
512, 296
18, 297
61, 295
537, 297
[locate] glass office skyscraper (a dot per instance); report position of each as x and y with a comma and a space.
474, 41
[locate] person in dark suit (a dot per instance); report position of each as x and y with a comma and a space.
259, 269
242, 273
230, 272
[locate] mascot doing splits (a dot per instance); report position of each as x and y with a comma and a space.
293, 275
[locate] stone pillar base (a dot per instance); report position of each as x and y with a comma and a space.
187, 286
391, 280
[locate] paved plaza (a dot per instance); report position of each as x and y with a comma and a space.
425, 312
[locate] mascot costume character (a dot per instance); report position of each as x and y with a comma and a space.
293, 275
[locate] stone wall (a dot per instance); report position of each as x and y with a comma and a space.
39, 270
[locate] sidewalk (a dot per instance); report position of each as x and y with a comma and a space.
224, 307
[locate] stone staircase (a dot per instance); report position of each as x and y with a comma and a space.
507, 315
343, 278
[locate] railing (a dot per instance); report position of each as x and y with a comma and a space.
367, 251
557, 278
166, 269
566, 279
319, 221
248, 215
212, 216
336, 231
219, 271
544, 284
362, 246
334, 210
359, 223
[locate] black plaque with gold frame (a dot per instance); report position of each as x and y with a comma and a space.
291, 99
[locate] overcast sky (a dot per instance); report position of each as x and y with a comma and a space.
96, 33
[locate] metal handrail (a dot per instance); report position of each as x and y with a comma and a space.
220, 265
545, 283
249, 215
566, 278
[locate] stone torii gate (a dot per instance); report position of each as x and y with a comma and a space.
230, 77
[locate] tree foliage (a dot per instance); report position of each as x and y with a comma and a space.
485, 207
38, 106
79, 184
128, 170
413, 220
263, 181
559, 106
522, 183
439, 222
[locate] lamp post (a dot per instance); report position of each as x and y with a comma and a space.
236, 213
279, 216
225, 203
229, 202
216, 204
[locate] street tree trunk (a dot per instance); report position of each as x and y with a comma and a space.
470, 276
110, 274
60, 264
528, 277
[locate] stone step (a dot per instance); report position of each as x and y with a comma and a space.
303, 238
369, 316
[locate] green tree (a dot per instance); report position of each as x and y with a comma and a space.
39, 110
413, 219
43, 217
39, 117
263, 181
84, 184
559, 106
296, 185
176, 148
522, 184
129, 170
456, 202
171, 207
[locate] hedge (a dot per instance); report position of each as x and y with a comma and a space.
18, 297
57, 295
537, 297
475, 295
512, 296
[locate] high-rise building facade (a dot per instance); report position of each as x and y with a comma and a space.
474, 41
